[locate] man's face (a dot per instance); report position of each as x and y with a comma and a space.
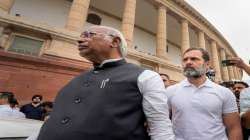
238, 87
193, 64
165, 80
94, 42
36, 100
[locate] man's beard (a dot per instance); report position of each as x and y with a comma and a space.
237, 94
191, 72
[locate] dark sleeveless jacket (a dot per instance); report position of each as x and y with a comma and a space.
102, 104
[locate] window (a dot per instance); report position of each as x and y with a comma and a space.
26, 46
94, 19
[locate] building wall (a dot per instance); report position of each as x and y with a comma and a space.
52, 12
173, 30
193, 38
26, 76
144, 41
174, 54
106, 20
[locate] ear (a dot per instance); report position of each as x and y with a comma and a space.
116, 42
207, 65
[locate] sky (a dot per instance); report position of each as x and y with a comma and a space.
232, 19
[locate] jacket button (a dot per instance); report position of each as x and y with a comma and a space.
95, 72
86, 84
77, 100
65, 120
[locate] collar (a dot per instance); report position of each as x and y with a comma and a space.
110, 63
207, 83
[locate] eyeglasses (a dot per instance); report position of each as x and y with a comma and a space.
89, 34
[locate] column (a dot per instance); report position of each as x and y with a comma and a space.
128, 21
6, 5
235, 73
239, 73
162, 32
230, 70
201, 40
1, 30
225, 75
77, 15
185, 44
1, 36
4, 36
216, 61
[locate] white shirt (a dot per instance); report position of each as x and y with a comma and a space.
197, 111
244, 100
154, 104
7, 112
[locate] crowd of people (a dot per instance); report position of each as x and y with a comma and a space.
117, 100
10, 108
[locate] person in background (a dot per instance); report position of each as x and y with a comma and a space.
228, 84
237, 88
33, 110
6, 109
245, 112
166, 79
14, 104
47, 108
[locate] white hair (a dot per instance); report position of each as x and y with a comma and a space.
116, 33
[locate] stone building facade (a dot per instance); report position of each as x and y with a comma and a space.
38, 49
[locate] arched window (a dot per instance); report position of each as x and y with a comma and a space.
94, 19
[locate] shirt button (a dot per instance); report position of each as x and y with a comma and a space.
65, 120
77, 100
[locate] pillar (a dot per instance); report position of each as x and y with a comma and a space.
201, 40
6, 5
162, 32
128, 21
77, 15
225, 75
215, 60
185, 43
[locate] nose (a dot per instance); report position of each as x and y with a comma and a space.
81, 40
188, 62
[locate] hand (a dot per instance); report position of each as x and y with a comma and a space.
246, 119
238, 62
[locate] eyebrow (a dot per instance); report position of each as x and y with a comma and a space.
192, 57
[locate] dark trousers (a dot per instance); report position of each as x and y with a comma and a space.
246, 133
